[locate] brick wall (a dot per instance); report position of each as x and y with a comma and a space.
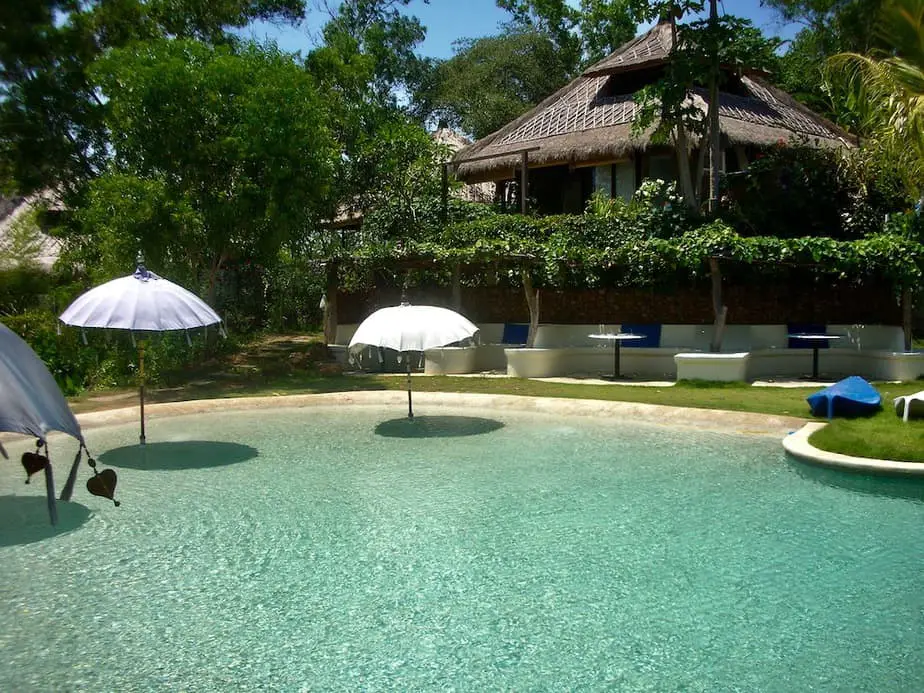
767, 304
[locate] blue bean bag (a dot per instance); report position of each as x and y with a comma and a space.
851, 396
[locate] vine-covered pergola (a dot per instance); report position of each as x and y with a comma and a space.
569, 251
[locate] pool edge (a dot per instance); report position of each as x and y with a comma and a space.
798, 445
712, 419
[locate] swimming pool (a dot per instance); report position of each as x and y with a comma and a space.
344, 548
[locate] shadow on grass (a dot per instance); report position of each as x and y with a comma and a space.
24, 519
177, 455
884, 486
437, 427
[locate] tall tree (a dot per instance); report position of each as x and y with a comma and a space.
492, 80
701, 55
52, 130
582, 34
365, 67
217, 152
830, 27
888, 87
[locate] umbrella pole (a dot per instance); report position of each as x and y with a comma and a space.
410, 410
141, 377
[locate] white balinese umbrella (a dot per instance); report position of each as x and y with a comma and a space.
31, 403
141, 302
411, 328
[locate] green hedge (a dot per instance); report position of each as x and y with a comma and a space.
572, 250
109, 359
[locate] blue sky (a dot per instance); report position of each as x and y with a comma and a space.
449, 20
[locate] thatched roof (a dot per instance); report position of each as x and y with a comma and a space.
589, 120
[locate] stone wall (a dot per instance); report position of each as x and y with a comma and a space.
755, 305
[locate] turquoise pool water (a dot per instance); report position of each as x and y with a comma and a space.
339, 549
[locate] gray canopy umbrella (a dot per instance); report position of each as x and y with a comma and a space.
31, 403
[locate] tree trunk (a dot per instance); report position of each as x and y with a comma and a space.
217, 263
719, 311
330, 302
701, 165
532, 302
715, 148
681, 146
457, 287
682, 149
907, 305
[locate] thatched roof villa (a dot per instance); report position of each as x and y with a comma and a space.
579, 139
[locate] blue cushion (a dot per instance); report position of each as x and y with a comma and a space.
806, 328
515, 333
650, 332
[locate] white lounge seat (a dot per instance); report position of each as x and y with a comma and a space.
910, 405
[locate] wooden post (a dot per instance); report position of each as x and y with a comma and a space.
720, 312
330, 302
410, 406
457, 287
907, 305
141, 386
444, 209
532, 302
524, 180
742, 156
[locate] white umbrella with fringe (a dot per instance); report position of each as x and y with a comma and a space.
407, 328
141, 302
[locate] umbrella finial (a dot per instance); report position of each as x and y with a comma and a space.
141, 272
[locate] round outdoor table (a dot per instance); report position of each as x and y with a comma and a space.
617, 339
815, 340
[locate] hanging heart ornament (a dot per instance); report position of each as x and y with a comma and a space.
33, 462
103, 484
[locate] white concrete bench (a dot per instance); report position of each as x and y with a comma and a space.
650, 362
706, 366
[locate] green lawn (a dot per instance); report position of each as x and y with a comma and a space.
884, 436
266, 368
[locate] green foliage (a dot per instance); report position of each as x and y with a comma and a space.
887, 89
805, 191
22, 242
21, 288
109, 359
625, 245
582, 34
701, 46
126, 214
68, 360
383, 39
294, 287
492, 80
218, 153
52, 131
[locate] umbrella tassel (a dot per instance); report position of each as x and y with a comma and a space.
132, 335
68, 489
83, 334
188, 340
